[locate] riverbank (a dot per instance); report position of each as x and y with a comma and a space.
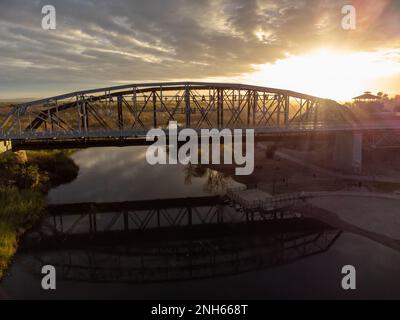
25, 179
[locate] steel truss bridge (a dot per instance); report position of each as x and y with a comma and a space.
122, 115
130, 110
197, 238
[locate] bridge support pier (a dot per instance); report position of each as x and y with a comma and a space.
5, 145
347, 152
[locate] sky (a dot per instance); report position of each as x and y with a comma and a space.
290, 44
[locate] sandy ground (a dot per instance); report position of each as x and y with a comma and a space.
380, 216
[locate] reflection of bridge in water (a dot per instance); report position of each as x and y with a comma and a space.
170, 240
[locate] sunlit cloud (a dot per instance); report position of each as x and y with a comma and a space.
329, 73
264, 42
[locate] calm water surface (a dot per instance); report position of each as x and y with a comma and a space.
271, 260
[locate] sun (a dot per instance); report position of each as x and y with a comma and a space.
329, 73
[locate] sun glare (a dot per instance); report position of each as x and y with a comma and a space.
328, 73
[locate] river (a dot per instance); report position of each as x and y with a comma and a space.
123, 253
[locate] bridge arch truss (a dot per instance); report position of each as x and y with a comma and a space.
131, 110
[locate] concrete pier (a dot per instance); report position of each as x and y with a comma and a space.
347, 153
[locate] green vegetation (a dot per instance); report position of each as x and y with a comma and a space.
25, 178
18, 212
54, 165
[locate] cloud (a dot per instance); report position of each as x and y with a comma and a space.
99, 42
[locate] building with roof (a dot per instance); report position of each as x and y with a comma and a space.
367, 97
369, 102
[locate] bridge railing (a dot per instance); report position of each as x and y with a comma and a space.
267, 204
